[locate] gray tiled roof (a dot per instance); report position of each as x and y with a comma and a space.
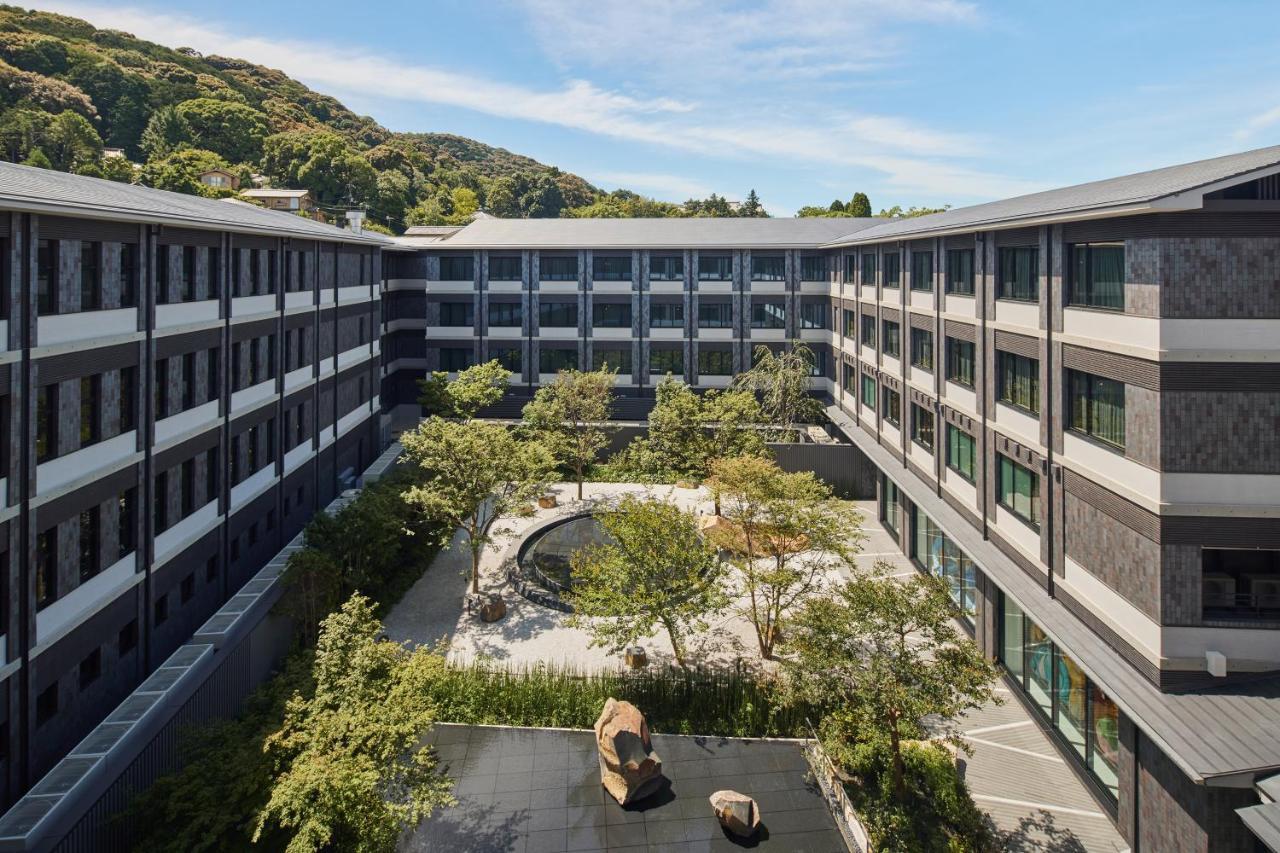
1129, 190
674, 233
1264, 822
47, 191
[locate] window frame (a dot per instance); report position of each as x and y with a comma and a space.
954, 436
1006, 385
1082, 408
960, 272
919, 427
891, 338
1090, 300
922, 272
954, 356
1008, 475
708, 356
1010, 289
675, 356
921, 348
891, 406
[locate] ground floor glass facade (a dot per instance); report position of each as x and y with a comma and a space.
934, 551
1079, 711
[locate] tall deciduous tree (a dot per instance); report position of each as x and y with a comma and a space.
657, 572
350, 773
886, 655
570, 417
474, 473
782, 382
786, 531
474, 388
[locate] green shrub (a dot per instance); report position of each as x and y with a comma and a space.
938, 816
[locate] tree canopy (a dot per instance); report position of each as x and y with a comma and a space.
476, 387
570, 417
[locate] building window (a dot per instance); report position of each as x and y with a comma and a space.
211, 569
960, 272
869, 330
457, 314
187, 590
922, 349
47, 704
457, 269
892, 269
936, 554
612, 359
555, 359
1019, 274
1097, 276
1077, 708
46, 567
960, 452
869, 269
90, 410
160, 508
768, 315
813, 268
213, 277
161, 610
188, 380
850, 268
922, 271
272, 284
125, 521
563, 314
892, 342
922, 426
890, 506
611, 268
666, 315
960, 362
611, 315
90, 555
90, 668
504, 269
188, 486
46, 422
1018, 490
1240, 584
47, 266
715, 268
1096, 407
558, 269
666, 268
663, 361
850, 324
509, 357
813, 315
892, 410
506, 314
715, 315
1019, 381
90, 276
768, 268
188, 273
453, 359
715, 363
869, 392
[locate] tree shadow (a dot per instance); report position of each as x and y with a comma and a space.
468, 827
1038, 831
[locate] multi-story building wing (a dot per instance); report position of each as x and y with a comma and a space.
182, 381
1072, 399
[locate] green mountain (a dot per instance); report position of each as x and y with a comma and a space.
68, 89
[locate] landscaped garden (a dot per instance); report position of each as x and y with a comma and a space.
714, 591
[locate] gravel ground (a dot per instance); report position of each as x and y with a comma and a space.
432, 610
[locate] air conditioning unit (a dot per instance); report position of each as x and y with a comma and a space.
1218, 590
1265, 591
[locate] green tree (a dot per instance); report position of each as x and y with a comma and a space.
117, 169
782, 381
473, 474
71, 142
166, 132
657, 571
475, 388
322, 162
885, 655
787, 532
21, 131
230, 129
426, 212
837, 206
351, 772
312, 582
465, 204
391, 198
180, 171
38, 159
503, 198
897, 211
570, 417
752, 206
859, 205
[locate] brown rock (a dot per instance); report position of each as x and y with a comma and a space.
736, 812
629, 768
493, 609
547, 501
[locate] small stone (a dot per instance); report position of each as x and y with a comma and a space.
629, 768
493, 609
547, 502
737, 813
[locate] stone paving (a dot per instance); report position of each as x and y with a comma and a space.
1016, 775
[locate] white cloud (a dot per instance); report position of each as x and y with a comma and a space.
911, 158
1259, 122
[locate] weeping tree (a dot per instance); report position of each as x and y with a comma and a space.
782, 380
786, 532
655, 572
570, 417
473, 474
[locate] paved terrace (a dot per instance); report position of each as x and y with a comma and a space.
1016, 775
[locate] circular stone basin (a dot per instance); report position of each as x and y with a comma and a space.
551, 550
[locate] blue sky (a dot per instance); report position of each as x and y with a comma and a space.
925, 102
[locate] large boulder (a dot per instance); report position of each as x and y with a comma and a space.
737, 813
629, 768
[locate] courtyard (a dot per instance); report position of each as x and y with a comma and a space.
1016, 776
